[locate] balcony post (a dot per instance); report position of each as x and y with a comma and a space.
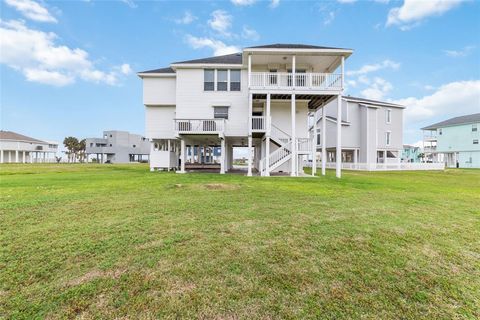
293, 172
314, 144
222, 156
324, 140
343, 71
338, 162
267, 139
294, 81
249, 69
250, 107
182, 156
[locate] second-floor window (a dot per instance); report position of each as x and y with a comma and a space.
474, 127
209, 80
222, 80
440, 132
220, 112
235, 80
389, 115
475, 141
388, 138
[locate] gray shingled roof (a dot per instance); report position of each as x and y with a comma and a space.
356, 99
470, 118
235, 58
291, 46
161, 70
10, 135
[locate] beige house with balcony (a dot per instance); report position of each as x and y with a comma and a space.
262, 98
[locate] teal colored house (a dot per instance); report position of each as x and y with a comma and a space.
411, 154
454, 141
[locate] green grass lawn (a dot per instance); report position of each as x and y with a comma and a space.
118, 241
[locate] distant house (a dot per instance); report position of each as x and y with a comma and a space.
411, 154
454, 141
17, 148
117, 147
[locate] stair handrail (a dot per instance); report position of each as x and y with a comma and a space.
279, 135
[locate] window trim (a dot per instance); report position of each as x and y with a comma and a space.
230, 80
474, 127
388, 138
217, 82
388, 116
221, 106
214, 82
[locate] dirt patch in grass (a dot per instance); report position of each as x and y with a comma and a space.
96, 274
220, 186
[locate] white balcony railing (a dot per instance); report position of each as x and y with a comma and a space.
305, 81
259, 124
304, 145
199, 125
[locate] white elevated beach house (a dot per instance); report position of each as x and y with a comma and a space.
281, 101
261, 98
18, 148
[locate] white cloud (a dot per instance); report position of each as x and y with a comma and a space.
379, 87
35, 54
250, 34
329, 19
449, 100
243, 2
130, 3
221, 21
219, 48
274, 3
125, 69
459, 53
187, 18
428, 87
48, 77
385, 64
413, 12
32, 10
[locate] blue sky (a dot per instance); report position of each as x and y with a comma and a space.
68, 67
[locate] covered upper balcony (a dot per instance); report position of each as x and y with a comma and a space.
300, 68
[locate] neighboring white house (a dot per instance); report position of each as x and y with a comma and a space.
372, 132
117, 147
17, 148
261, 98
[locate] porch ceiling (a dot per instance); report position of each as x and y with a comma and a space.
314, 100
319, 63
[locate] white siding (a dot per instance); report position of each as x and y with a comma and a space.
195, 103
281, 117
159, 91
159, 122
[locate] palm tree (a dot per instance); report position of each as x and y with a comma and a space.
80, 149
71, 144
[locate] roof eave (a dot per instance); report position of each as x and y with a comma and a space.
340, 51
156, 75
176, 66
